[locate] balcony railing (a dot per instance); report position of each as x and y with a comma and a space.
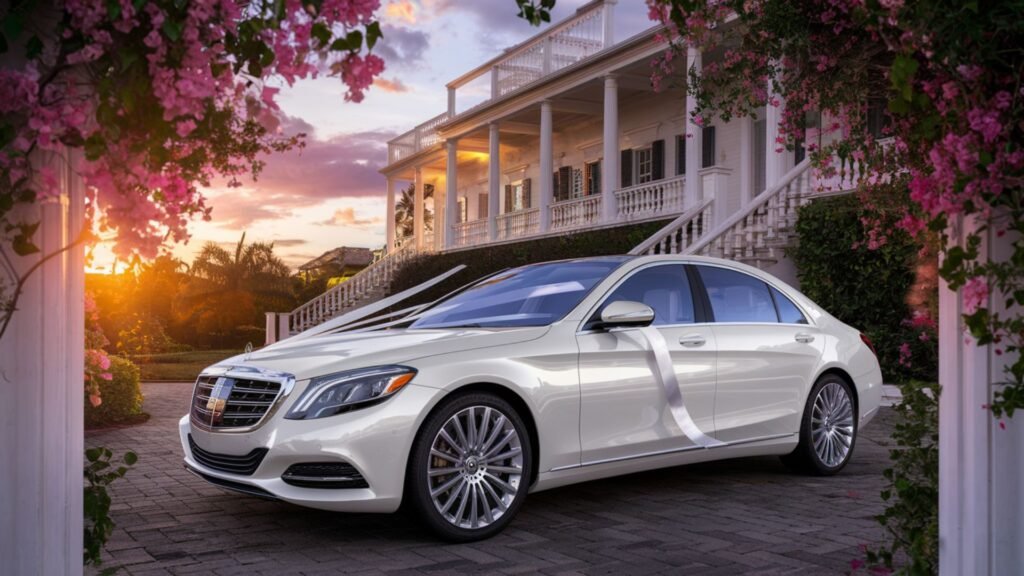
471, 233
519, 223
650, 199
584, 34
419, 138
576, 213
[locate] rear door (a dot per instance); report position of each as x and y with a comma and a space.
767, 354
624, 411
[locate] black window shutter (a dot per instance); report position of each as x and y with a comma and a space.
708, 147
508, 197
596, 169
481, 206
626, 168
527, 193
555, 190
680, 154
564, 182
657, 160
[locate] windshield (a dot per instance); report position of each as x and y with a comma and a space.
534, 295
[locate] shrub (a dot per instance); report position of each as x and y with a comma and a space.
122, 396
861, 286
489, 259
147, 336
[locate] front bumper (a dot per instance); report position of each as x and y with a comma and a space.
375, 440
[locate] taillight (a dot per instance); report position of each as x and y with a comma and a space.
867, 341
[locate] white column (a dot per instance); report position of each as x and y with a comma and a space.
610, 164
493, 181
981, 508
440, 216
390, 223
451, 102
546, 166
41, 428
494, 83
746, 165
779, 159
419, 207
451, 194
608, 19
694, 139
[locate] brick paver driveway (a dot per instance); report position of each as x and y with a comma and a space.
748, 516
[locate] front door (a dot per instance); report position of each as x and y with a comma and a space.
624, 411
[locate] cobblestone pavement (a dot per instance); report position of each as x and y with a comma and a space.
746, 516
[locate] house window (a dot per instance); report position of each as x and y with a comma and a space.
481, 206
644, 162
708, 147
517, 197
577, 183
878, 119
463, 214
680, 154
593, 174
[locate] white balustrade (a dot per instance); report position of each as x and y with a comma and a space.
345, 296
519, 223
677, 236
576, 213
471, 233
845, 173
419, 138
650, 199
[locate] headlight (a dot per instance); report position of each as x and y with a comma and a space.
344, 391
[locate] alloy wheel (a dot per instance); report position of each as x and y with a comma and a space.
475, 467
832, 424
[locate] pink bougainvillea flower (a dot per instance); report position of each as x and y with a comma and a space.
975, 294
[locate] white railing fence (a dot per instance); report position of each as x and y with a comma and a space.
650, 199
755, 234
678, 235
419, 138
368, 282
519, 223
470, 233
576, 213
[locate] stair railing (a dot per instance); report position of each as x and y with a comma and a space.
346, 295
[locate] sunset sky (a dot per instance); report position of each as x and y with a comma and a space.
330, 194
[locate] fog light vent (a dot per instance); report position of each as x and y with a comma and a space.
324, 475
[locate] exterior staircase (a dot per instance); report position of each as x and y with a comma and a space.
369, 285
757, 234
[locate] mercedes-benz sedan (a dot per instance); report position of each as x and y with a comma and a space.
533, 378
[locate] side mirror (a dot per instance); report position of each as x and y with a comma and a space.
626, 314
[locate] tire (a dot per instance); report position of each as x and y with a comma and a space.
490, 469
832, 429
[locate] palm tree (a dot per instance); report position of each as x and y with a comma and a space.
227, 290
405, 210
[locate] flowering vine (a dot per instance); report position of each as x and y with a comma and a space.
160, 97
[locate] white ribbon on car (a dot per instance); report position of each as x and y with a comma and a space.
665, 373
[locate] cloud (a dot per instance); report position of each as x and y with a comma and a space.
287, 242
401, 10
393, 86
347, 217
236, 210
401, 47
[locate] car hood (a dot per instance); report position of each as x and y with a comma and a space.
329, 353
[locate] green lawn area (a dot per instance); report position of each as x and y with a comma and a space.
179, 366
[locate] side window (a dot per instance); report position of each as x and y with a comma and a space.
737, 297
788, 312
665, 289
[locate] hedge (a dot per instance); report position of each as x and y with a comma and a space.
489, 259
122, 396
864, 288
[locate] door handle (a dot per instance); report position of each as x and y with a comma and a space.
692, 340
804, 338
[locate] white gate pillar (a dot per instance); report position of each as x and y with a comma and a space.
41, 377
981, 508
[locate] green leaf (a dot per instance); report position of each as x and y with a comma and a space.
902, 74
322, 33
131, 458
92, 454
355, 39
34, 47
172, 29
341, 45
12, 25
373, 34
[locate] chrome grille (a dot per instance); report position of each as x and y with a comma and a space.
228, 402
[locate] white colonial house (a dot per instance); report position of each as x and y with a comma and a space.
559, 134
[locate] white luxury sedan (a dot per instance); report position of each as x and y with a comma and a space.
532, 378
